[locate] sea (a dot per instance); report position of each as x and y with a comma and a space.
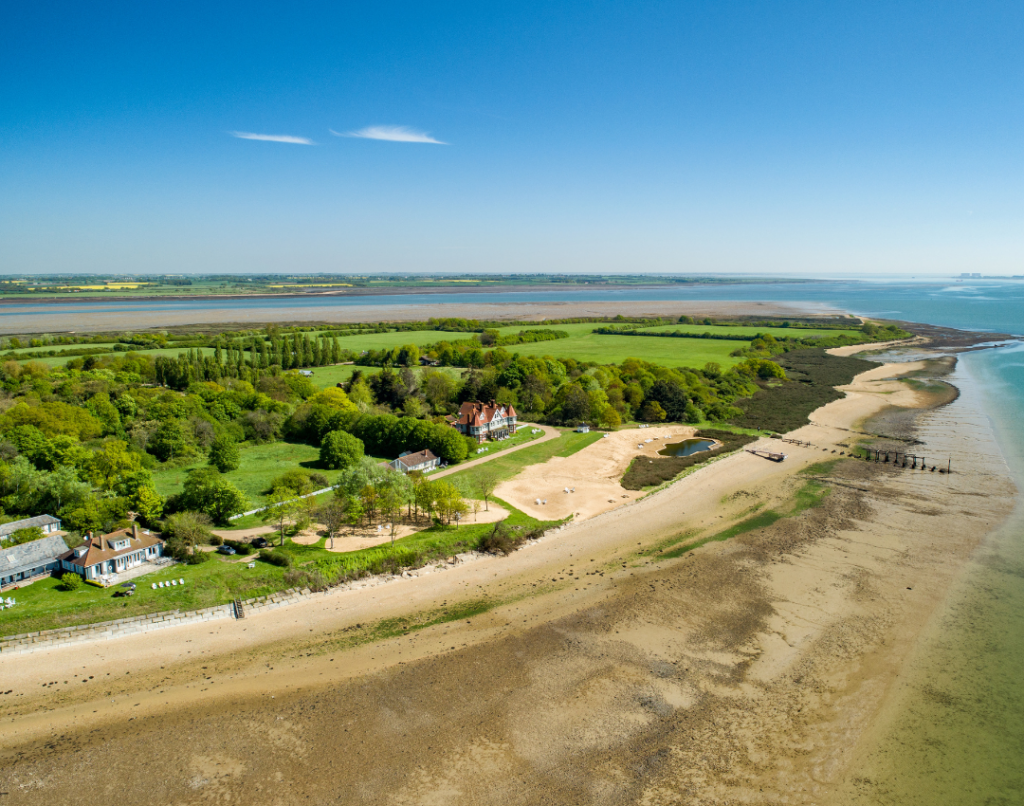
956, 735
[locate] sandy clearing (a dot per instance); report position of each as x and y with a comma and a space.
593, 473
365, 537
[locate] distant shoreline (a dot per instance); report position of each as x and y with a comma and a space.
378, 292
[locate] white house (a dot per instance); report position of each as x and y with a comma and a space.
420, 461
118, 551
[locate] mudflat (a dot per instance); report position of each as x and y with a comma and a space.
594, 666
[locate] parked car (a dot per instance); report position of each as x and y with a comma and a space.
260, 543
225, 550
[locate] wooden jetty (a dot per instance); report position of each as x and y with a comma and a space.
775, 457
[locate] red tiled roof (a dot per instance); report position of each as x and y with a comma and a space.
477, 413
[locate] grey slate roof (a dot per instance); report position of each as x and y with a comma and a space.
31, 555
26, 523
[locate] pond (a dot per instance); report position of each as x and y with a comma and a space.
688, 447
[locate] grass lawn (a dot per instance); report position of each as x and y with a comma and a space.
379, 341
746, 330
615, 349
42, 606
506, 467
260, 465
575, 329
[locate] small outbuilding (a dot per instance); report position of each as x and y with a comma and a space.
47, 524
420, 461
583, 429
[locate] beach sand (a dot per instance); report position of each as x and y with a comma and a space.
744, 671
38, 318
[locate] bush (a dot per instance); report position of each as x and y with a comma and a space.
240, 547
501, 540
275, 558
224, 455
70, 582
313, 580
216, 540
340, 449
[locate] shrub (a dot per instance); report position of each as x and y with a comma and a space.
242, 548
275, 558
216, 540
70, 582
340, 449
313, 580
501, 540
224, 455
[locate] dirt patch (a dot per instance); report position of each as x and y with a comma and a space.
588, 482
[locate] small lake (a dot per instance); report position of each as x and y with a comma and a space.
687, 447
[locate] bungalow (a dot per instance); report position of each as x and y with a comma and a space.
46, 523
420, 461
118, 551
31, 559
484, 421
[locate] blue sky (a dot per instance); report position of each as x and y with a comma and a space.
593, 137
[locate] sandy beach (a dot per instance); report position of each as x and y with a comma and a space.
600, 672
29, 318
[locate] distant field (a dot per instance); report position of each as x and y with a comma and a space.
616, 349
379, 341
746, 330
577, 329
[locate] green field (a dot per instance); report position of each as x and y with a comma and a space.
260, 465
616, 349
380, 341
340, 373
746, 330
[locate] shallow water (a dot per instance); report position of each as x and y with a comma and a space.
953, 731
687, 447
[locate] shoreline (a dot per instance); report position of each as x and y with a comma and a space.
244, 669
392, 291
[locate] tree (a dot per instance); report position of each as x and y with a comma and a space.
191, 528
486, 484
112, 462
610, 418
169, 441
652, 412
280, 511
334, 515
224, 454
205, 490
339, 449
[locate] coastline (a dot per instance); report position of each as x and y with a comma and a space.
28, 321
776, 646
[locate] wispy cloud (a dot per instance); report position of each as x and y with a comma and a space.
273, 138
394, 134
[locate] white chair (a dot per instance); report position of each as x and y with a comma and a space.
174, 582
154, 586
181, 581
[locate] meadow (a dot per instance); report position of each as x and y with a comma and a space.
603, 349
751, 331
260, 465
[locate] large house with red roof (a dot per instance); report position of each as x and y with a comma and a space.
484, 421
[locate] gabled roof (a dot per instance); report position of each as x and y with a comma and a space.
26, 523
31, 555
418, 458
477, 413
100, 548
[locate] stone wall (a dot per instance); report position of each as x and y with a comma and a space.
29, 642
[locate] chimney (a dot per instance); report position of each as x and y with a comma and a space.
135, 530
90, 535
